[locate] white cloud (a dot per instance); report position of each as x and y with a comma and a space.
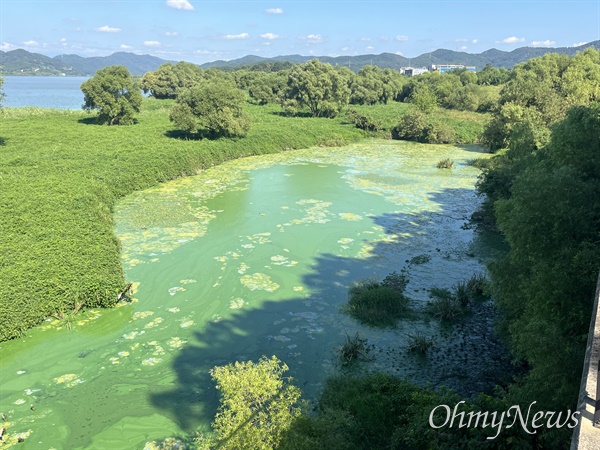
399, 53
345, 49
579, 44
125, 47
107, 29
237, 36
270, 36
546, 43
5, 46
401, 38
370, 47
475, 41
274, 11
365, 39
461, 40
152, 43
384, 38
180, 4
511, 40
171, 33
313, 38
63, 39
464, 47
31, 44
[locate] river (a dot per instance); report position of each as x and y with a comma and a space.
253, 258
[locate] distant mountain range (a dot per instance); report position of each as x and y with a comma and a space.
22, 62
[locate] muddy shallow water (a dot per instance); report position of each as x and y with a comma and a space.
253, 258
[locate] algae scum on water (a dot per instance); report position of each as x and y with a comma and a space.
253, 258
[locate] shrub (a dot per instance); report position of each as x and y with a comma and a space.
363, 121
213, 108
411, 127
439, 133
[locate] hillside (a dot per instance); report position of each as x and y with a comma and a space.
22, 62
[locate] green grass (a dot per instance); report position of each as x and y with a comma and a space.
60, 176
376, 304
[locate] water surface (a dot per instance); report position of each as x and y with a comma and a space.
253, 258
44, 92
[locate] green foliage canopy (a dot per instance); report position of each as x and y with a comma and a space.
213, 108
258, 405
114, 93
168, 79
317, 86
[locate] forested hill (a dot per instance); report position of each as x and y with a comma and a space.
22, 62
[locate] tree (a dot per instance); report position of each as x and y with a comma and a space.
423, 98
169, 79
114, 93
213, 108
258, 405
317, 86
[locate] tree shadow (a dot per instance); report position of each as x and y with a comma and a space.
199, 136
95, 120
3, 141
304, 330
291, 114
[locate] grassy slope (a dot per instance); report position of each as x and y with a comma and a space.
60, 177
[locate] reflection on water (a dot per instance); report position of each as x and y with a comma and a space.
249, 258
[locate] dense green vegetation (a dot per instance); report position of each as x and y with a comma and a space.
378, 303
213, 108
114, 93
58, 245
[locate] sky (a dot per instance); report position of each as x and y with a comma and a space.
200, 31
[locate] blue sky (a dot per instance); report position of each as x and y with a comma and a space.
200, 31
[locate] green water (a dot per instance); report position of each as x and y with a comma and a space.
247, 259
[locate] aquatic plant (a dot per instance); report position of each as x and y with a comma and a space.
375, 304
352, 349
444, 306
419, 343
445, 164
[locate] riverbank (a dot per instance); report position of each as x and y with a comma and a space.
60, 175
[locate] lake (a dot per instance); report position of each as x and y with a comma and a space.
44, 92
254, 257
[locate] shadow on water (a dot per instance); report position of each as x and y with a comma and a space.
472, 361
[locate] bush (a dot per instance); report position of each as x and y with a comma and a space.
213, 109
363, 121
411, 127
439, 133
375, 304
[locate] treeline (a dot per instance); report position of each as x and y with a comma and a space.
543, 194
